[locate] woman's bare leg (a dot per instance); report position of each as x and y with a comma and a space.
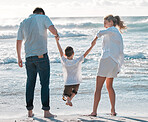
111, 92
97, 95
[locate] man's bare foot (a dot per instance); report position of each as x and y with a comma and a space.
47, 114
30, 113
69, 103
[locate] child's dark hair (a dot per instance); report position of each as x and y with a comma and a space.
116, 21
69, 51
38, 11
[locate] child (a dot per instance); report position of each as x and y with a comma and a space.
72, 70
111, 59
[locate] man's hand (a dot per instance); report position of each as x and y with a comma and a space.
20, 63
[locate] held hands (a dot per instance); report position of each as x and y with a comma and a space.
57, 37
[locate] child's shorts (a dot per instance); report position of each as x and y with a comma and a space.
69, 89
108, 68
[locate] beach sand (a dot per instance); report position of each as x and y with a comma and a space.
78, 118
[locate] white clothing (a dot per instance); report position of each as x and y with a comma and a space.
112, 45
108, 68
34, 31
72, 70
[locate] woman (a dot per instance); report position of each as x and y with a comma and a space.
111, 60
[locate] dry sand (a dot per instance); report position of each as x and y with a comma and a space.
78, 118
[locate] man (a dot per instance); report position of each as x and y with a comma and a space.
34, 31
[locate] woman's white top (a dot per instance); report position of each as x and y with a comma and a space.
112, 45
72, 70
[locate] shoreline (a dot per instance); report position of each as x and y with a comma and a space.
78, 118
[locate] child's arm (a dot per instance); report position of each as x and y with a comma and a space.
59, 46
92, 45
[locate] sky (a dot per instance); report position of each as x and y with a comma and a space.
74, 8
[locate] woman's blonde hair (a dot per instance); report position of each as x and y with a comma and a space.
116, 21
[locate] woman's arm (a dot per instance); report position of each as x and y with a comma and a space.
104, 32
92, 45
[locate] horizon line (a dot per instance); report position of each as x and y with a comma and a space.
79, 16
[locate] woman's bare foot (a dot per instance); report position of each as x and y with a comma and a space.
69, 103
93, 114
113, 113
30, 113
47, 114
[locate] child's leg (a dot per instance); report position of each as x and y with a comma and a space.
74, 91
67, 93
73, 94
68, 101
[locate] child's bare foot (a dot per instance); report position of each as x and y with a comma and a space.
64, 98
69, 103
30, 113
47, 114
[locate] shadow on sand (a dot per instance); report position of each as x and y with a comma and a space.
47, 120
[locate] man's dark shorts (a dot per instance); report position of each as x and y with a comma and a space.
69, 89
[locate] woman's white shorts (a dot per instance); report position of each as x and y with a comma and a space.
108, 68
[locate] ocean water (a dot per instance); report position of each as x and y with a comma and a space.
131, 86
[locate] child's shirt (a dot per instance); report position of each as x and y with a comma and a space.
112, 45
72, 70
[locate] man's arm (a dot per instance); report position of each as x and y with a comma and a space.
59, 46
18, 48
92, 45
53, 30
